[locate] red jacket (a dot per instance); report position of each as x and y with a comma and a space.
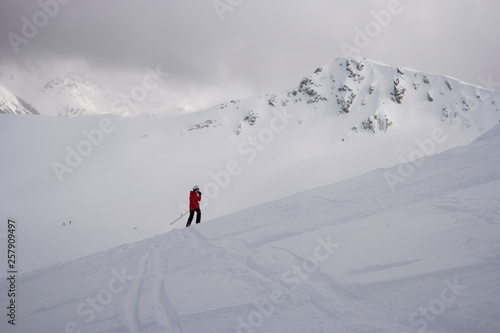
194, 199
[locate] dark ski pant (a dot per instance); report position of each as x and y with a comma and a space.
191, 214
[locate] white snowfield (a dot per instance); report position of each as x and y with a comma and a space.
348, 257
322, 212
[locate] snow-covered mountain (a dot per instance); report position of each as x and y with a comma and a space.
76, 95
388, 138
12, 104
79, 94
377, 96
369, 96
349, 257
241, 153
71, 95
364, 89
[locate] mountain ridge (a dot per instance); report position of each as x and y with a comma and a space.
240, 153
371, 96
76, 94
12, 104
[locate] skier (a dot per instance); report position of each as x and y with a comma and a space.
194, 206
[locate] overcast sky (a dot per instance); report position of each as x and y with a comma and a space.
215, 51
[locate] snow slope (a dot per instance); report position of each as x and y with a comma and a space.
355, 256
121, 180
11, 104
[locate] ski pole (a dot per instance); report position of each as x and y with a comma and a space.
179, 218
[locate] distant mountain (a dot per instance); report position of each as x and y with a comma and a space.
347, 118
79, 94
76, 95
12, 104
397, 166
368, 96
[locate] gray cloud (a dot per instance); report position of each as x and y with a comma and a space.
259, 46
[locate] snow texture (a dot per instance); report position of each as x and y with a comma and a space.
312, 222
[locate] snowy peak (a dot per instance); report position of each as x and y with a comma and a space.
78, 93
368, 96
11, 104
75, 94
372, 96
72, 80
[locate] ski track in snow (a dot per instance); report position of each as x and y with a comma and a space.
132, 299
149, 285
141, 156
440, 222
165, 311
329, 300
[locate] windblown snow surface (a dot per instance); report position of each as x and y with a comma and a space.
348, 257
315, 222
